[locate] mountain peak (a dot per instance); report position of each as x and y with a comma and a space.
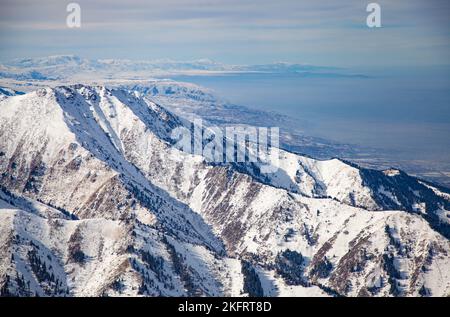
88, 174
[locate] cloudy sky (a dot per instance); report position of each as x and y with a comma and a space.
334, 33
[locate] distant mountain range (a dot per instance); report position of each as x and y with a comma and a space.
70, 66
95, 200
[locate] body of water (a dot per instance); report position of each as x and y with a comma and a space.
405, 112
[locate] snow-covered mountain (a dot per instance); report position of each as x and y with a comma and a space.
95, 200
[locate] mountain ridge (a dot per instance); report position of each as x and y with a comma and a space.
65, 66
103, 155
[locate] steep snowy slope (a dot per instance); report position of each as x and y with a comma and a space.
336, 179
89, 175
57, 152
55, 256
54, 139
